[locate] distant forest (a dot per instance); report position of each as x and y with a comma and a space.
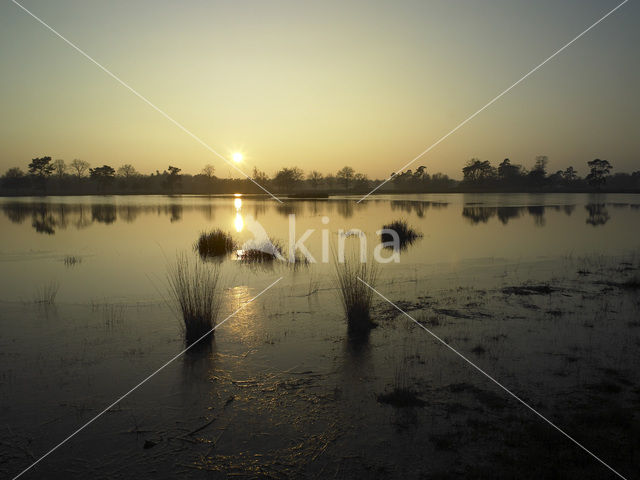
45, 176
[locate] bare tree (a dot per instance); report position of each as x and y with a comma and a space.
345, 176
259, 176
80, 167
315, 178
59, 167
127, 171
208, 171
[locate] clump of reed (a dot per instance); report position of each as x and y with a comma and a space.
355, 295
264, 252
214, 244
72, 260
46, 294
406, 234
193, 287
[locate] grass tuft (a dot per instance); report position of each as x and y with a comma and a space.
46, 294
193, 287
214, 244
265, 252
406, 234
356, 297
72, 260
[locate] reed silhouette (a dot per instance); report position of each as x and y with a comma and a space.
214, 244
356, 297
406, 234
193, 288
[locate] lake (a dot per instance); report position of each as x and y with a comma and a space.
282, 391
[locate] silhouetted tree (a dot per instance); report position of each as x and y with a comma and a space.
360, 180
14, 178
599, 170
259, 176
569, 175
208, 171
41, 167
174, 178
288, 178
127, 171
478, 172
538, 174
103, 175
80, 167
345, 176
59, 167
315, 178
508, 172
421, 174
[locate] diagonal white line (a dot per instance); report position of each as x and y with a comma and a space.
493, 380
140, 384
143, 98
504, 92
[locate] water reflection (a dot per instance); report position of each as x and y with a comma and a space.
417, 207
48, 217
477, 214
238, 222
598, 214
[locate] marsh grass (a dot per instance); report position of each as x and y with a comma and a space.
356, 296
403, 394
72, 260
406, 234
193, 287
265, 252
269, 250
46, 294
214, 244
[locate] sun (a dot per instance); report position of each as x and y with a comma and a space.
237, 157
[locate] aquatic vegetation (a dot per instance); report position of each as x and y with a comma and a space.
355, 295
72, 260
214, 244
264, 252
46, 294
406, 234
193, 287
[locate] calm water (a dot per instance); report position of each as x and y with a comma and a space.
282, 390
124, 241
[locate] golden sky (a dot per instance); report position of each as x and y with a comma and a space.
320, 85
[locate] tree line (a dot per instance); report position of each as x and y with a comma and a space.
56, 177
513, 176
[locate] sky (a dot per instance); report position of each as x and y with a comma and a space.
320, 85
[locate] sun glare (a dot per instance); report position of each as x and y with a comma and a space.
237, 157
